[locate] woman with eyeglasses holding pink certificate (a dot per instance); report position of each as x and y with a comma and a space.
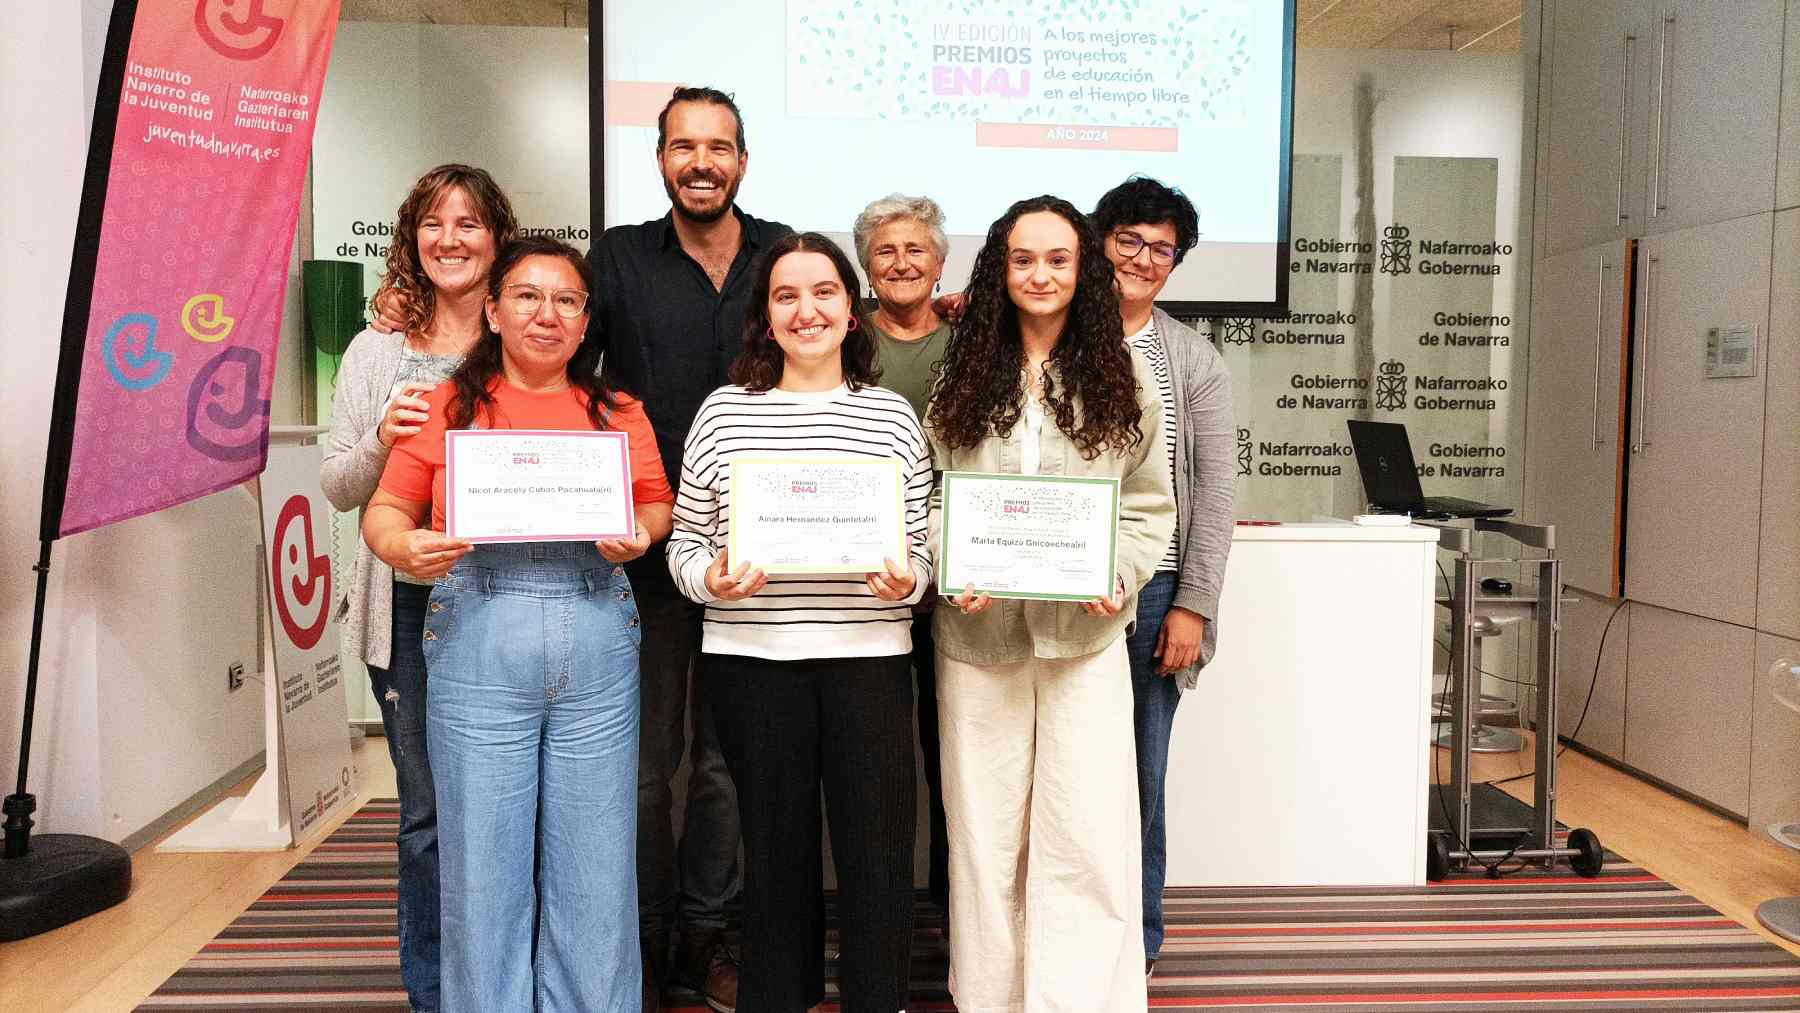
532, 649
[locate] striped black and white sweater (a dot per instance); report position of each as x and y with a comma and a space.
797, 615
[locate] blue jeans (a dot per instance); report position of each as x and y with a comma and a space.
400, 690
1154, 698
533, 649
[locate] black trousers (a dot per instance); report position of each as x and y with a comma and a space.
924, 663
787, 728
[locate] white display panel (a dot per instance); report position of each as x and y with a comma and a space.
976, 103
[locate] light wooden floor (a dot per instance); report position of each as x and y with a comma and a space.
111, 961
1729, 867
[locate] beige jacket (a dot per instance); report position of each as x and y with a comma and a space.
1012, 630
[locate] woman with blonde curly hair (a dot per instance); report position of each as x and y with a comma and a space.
445, 238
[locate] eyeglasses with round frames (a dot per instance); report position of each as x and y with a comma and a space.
525, 300
1130, 244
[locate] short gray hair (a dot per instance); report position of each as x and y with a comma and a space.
895, 207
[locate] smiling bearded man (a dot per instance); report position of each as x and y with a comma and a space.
670, 298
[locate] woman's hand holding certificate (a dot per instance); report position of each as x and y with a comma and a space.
428, 555
1104, 607
894, 582
624, 550
726, 584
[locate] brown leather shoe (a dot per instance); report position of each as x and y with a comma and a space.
705, 964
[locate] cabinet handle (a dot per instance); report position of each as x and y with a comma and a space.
1594, 440
1643, 384
1629, 44
1660, 158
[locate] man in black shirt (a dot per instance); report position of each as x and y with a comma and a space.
670, 298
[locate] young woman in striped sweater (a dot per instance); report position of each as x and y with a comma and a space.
808, 676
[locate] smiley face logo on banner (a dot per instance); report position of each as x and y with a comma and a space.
131, 354
223, 409
237, 29
203, 317
301, 577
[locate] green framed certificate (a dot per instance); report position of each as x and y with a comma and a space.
816, 514
1048, 537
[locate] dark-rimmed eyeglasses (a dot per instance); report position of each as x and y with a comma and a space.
1130, 244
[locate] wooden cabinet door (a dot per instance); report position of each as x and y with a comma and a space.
1598, 90
1695, 486
1573, 452
1688, 704
1715, 95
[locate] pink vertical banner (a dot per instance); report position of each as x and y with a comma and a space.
215, 106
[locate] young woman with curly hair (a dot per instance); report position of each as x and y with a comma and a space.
446, 234
1034, 697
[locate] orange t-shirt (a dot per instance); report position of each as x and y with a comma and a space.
415, 468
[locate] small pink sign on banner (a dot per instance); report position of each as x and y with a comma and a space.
216, 109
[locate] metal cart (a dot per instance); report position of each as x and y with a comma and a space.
1454, 846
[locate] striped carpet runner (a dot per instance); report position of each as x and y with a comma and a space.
323, 939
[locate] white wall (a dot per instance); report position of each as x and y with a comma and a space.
143, 618
400, 99
42, 140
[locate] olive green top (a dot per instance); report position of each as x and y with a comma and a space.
906, 366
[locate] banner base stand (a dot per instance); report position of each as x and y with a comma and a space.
63, 878
256, 821
236, 824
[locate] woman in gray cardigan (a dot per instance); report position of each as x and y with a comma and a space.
1148, 228
445, 238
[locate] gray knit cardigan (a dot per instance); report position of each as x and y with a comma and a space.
354, 461
1205, 475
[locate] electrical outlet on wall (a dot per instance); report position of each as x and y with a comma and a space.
234, 677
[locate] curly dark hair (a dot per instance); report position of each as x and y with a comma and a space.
758, 364
404, 272
483, 364
980, 387
1141, 200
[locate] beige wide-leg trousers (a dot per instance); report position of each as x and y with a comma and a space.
1040, 793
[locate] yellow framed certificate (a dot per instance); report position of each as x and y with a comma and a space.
797, 514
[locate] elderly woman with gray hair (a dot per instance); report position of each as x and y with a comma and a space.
901, 245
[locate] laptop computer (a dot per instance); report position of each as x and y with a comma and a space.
1391, 479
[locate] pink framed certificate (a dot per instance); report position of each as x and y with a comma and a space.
534, 485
